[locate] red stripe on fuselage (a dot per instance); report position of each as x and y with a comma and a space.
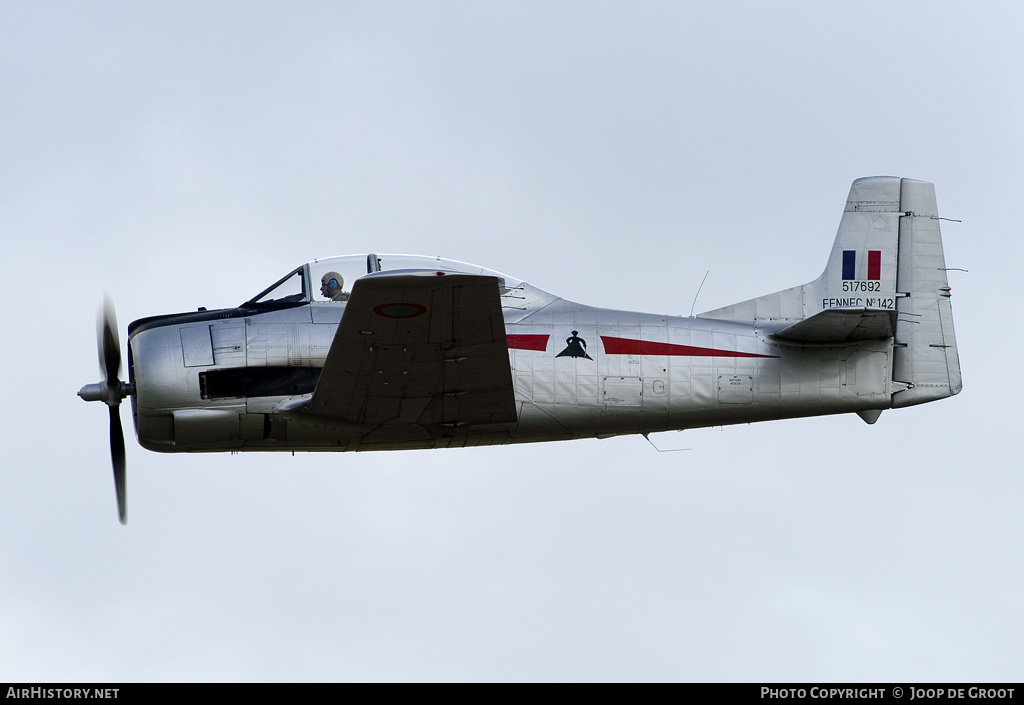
527, 341
625, 346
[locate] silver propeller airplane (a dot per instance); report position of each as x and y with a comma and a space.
423, 352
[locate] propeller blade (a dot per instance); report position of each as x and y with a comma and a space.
111, 391
108, 342
117, 455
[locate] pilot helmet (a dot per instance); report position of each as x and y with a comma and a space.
333, 280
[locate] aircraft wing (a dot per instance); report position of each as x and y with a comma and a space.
416, 347
842, 325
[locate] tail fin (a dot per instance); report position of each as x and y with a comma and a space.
885, 278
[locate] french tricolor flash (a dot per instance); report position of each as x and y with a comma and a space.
874, 264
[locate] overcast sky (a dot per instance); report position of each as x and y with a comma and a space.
188, 154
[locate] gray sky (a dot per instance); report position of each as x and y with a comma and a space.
188, 154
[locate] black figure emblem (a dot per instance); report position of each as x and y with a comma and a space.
575, 347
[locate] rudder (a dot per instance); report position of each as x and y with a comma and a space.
926, 364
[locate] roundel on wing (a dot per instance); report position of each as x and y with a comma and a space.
399, 310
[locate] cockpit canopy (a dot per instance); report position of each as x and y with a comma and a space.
304, 284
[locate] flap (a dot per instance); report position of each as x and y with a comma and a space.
418, 347
842, 325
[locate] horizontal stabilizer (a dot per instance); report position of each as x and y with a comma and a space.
842, 325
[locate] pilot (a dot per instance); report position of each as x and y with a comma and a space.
330, 286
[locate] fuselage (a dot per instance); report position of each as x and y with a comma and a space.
230, 379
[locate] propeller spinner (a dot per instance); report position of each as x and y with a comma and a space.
111, 391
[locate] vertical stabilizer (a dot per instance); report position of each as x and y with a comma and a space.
861, 269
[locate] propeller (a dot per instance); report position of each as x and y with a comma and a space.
111, 391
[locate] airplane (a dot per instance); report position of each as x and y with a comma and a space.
424, 352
